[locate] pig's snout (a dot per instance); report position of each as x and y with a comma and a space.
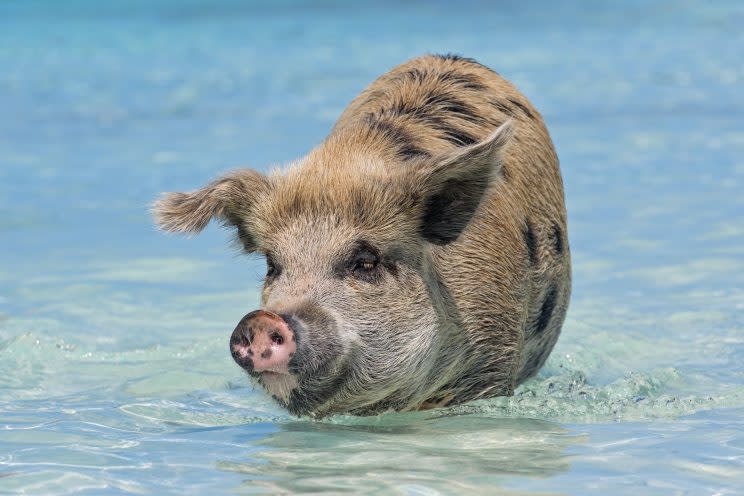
263, 342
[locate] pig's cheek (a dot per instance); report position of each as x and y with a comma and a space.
348, 333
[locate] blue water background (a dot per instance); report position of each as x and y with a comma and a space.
114, 370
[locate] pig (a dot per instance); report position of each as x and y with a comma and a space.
417, 258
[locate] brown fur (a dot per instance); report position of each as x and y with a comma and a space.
497, 277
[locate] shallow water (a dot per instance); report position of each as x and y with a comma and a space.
114, 369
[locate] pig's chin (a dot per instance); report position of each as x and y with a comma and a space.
305, 392
278, 385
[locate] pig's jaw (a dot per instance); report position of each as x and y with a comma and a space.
278, 385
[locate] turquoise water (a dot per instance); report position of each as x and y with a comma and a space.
115, 374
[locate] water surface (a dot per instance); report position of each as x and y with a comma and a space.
114, 370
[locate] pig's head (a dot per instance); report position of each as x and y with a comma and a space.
353, 315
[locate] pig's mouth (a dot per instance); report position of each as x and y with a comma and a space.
300, 393
278, 384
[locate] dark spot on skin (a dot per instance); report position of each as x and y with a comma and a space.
266, 354
558, 239
546, 311
530, 242
522, 107
404, 144
250, 352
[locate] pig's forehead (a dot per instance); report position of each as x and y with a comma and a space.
335, 206
317, 238
326, 236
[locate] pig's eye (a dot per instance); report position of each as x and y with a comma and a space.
367, 265
364, 263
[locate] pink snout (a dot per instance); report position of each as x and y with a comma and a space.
263, 342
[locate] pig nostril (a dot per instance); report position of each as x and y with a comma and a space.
277, 338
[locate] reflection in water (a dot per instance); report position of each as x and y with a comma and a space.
411, 453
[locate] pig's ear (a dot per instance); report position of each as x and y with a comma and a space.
456, 182
229, 200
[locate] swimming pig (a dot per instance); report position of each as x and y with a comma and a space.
416, 258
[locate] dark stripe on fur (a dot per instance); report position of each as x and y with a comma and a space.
432, 113
459, 137
546, 311
504, 108
446, 102
522, 107
415, 74
467, 81
558, 239
405, 145
531, 243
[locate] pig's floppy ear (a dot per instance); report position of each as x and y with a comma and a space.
229, 199
456, 182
